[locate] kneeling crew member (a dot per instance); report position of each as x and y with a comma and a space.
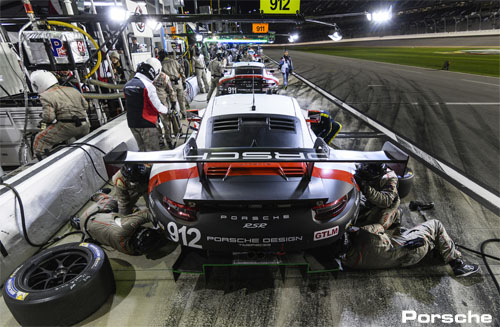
372, 248
64, 110
124, 233
143, 105
379, 185
131, 182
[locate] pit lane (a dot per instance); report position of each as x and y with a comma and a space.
260, 296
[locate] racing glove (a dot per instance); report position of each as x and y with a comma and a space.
363, 184
184, 85
173, 105
415, 243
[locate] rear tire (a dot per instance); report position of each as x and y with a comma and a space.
60, 286
405, 183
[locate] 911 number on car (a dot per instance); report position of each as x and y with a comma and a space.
182, 234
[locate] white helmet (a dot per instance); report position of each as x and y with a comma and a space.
156, 64
42, 80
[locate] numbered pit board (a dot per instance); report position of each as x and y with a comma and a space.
280, 6
260, 28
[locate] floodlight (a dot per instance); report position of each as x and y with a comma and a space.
293, 37
118, 14
199, 37
380, 16
335, 36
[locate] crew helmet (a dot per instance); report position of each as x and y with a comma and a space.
135, 173
42, 80
151, 68
146, 239
371, 171
220, 54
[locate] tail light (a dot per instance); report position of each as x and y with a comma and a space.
330, 210
179, 210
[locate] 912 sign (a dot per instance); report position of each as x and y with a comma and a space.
280, 6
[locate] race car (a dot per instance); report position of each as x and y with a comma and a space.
248, 77
255, 178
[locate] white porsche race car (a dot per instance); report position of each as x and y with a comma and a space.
248, 77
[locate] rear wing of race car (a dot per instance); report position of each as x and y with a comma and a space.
389, 154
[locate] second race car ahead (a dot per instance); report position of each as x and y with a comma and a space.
248, 77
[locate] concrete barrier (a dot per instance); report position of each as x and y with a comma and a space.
52, 190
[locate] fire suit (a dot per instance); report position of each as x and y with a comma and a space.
217, 71
382, 202
64, 108
113, 229
128, 193
164, 89
373, 248
175, 72
143, 106
201, 75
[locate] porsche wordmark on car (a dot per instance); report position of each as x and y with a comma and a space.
254, 177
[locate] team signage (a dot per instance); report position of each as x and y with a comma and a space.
279, 7
260, 27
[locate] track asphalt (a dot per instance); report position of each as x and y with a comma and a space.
455, 117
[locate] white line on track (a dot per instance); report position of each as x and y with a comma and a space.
460, 103
450, 172
469, 80
472, 103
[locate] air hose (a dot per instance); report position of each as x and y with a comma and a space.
105, 96
99, 57
106, 85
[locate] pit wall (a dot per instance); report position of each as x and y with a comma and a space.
52, 190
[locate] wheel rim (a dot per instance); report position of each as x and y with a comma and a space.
59, 269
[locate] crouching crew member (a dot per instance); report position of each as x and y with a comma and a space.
131, 182
378, 185
143, 105
64, 110
327, 128
371, 247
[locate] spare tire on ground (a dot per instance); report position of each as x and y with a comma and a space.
60, 286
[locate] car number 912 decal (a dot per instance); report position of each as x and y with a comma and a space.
183, 234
